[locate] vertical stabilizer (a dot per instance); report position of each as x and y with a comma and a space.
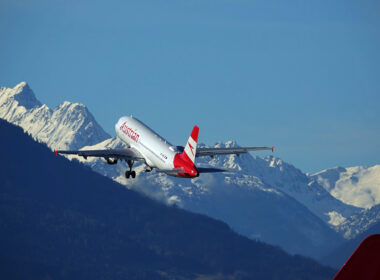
191, 146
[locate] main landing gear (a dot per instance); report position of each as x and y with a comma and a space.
129, 172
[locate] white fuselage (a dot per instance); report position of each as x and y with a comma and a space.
158, 152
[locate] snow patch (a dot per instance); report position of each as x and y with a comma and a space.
358, 186
335, 218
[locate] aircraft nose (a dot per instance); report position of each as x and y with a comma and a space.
118, 124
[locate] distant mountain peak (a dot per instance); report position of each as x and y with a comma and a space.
275, 162
21, 85
358, 186
72, 104
24, 95
231, 144
75, 109
69, 125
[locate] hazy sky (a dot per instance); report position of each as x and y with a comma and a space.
303, 76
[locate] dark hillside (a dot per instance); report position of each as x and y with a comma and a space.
60, 220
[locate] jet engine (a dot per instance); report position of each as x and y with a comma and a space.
109, 160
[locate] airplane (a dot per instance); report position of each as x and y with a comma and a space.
143, 144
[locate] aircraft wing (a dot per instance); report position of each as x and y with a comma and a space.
201, 152
126, 154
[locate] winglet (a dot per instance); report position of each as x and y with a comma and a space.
272, 149
56, 152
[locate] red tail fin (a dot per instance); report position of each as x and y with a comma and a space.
191, 146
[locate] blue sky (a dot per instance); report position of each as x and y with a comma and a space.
303, 76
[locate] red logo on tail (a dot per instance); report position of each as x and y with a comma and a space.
191, 149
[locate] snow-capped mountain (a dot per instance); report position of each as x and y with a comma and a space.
358, 186
68, 126
290, 180
359, 222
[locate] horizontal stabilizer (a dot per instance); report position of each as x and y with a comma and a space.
171, 170
200, 170
228, 151
214, 170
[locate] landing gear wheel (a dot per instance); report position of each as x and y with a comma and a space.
129, 172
